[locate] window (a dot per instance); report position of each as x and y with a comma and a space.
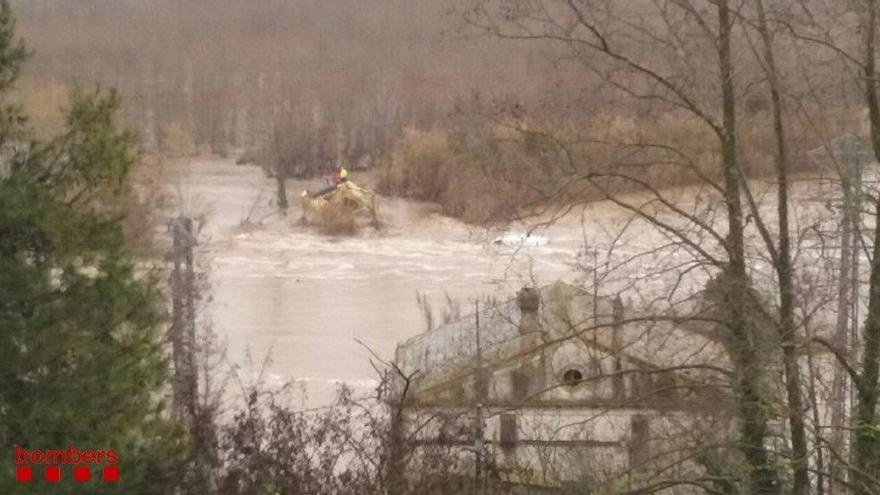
572, 376
640, 438
508, 431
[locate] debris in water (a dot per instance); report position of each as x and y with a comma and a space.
521, 239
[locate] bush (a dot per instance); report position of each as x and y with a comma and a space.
143, 203
350, 446
248, 157
177, 141
43, 104
483, 173
467, 183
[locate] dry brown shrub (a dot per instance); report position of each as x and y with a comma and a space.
419, 167
43, 104
144, 204
424, 165
489, 173
177, 141
696, 146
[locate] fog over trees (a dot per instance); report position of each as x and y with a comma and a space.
341, 78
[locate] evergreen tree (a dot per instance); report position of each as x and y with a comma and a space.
81, 362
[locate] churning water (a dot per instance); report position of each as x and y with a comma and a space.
283, 290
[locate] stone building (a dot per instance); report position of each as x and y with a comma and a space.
573, 390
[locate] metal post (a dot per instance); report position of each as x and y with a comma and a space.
183, 328
479, 397
856, 217
595, 293
855, 179
839, 387
177, 312
846, 336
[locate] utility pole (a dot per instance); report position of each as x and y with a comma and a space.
479, 397
846, 334
396, 461
183, 340
595, 289
854, 171
184, 294
856, 217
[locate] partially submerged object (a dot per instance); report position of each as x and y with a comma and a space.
521, 239
343, 198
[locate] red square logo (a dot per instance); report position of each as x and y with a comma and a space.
81, 474
110, 474
23, 474
52, 474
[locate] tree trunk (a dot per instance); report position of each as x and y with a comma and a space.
280, 155
786, 328
866, 448
841, 337
763, 476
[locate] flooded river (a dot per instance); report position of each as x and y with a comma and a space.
282, 290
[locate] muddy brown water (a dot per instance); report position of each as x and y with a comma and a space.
304, 300
283, 290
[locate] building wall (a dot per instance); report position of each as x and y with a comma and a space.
561, 446
574, 393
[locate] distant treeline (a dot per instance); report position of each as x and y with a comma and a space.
411, 87
308, 84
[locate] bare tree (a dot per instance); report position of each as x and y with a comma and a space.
607, 38
781, 254
855, 50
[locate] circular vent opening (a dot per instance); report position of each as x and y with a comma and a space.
572, 376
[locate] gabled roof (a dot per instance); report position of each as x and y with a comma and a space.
447, 354
454, 345
451, 349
